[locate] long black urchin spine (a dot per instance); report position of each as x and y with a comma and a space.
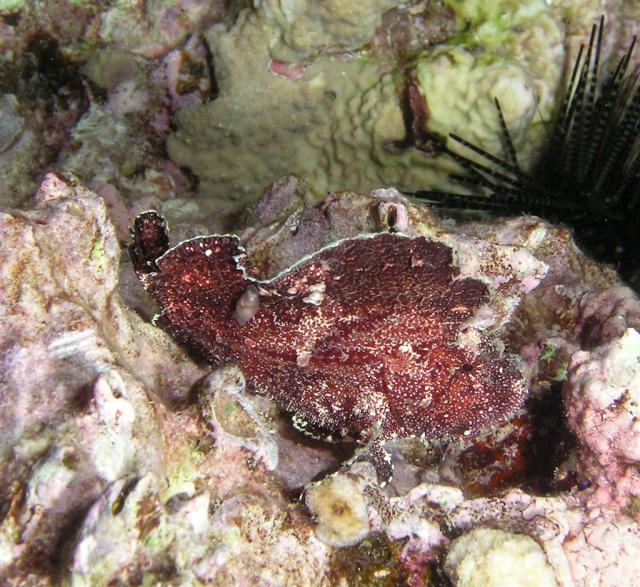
588, 173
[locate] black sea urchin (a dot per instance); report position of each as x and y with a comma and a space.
588, 175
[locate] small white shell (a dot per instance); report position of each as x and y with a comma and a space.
247, 305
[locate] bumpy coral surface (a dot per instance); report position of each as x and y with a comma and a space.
485, 557
603, 390
306, 28
339, 119
74, 419
341, 511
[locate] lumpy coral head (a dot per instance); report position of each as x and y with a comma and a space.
361, 338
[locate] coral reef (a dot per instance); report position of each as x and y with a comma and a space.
74, 418
324, 85
110, 431
602, 399
585, 175
303, 29
96, 84
124, 458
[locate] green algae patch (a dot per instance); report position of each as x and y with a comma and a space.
98, 257
10, 6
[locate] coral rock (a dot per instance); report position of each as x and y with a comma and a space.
603, 399
486, 557
74, 419
340, 510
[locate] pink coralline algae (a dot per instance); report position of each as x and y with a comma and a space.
602, 403
368, 337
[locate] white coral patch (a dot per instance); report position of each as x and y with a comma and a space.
604, 395
485, 557
605, 553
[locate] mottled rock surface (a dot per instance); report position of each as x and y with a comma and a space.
120, 458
